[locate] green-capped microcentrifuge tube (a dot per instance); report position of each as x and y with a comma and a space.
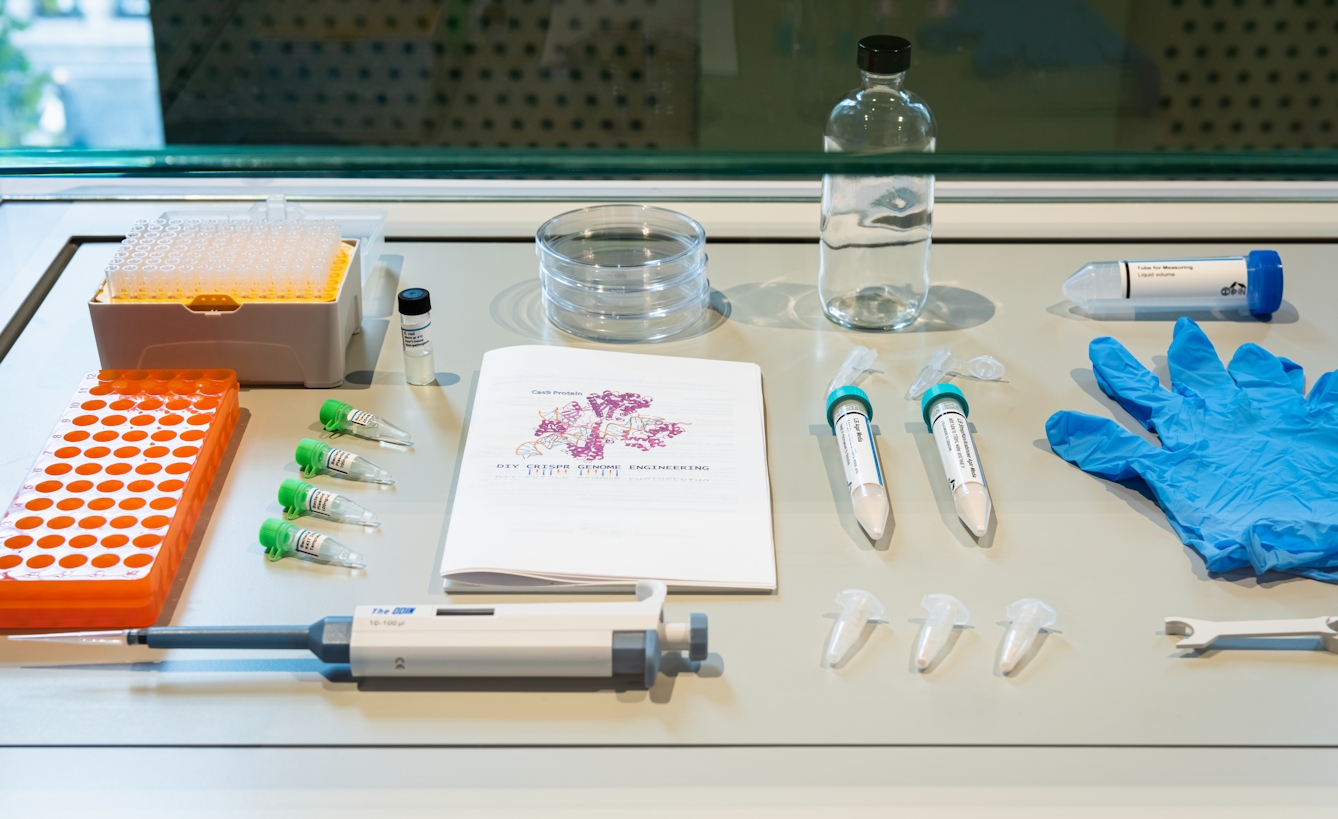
300, 498
340, 417
282, 539
315, 457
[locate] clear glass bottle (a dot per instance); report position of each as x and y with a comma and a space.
874, 272
416, 331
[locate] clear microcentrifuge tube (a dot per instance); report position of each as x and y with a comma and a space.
315, 457
942, 363
849, 412
858, 607
340, 417
300, 498
282, 539
1029, 616
945, 409
945, 614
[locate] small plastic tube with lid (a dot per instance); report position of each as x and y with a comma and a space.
301, 498
1028, 617
858, 607
945, 614
1245, 284
340, 417
416, 332
849, 412
315, 457
945, 409
282, 539
942, 363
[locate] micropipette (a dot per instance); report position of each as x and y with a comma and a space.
315, 457
848, 414
945, 614
340, 417
618, 641
282, 539
942, 362
857, 608
299, 497
1250, 283
945, 409
1028, 617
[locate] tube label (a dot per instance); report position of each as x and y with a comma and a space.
339, 461
320, 501
362, 419
309, 542
415, 336
955, 447
858, 454
1186, 278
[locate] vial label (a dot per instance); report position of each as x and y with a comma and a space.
1180, 278
955, 447
309, 542
858, 454
416, 337
339, 461
362, 419
320, 501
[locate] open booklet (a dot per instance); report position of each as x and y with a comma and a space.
591, 468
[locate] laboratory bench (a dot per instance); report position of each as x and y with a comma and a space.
1106, 714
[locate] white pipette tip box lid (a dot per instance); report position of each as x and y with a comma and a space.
252, 315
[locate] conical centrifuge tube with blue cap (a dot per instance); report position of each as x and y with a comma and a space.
945, 409
315, 457
1245, 284
282, 539
848, 414
945, 614
943, 363
337, 416
858, 607
1028, 617
301, 498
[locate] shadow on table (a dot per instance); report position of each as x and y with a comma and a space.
792, 306
520, 309
1286, 314
264, 665
672, 666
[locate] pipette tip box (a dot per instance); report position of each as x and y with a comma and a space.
267, 341
97, 530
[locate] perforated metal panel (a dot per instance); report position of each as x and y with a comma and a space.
1242, 74
579, 73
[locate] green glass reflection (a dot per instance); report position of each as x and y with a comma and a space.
732, 87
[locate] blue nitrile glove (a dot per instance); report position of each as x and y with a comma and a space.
1248, 468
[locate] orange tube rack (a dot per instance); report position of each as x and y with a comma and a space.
96, 532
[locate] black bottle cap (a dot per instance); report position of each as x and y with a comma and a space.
884, 54
415, 302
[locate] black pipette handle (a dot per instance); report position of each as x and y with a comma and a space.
328, 639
